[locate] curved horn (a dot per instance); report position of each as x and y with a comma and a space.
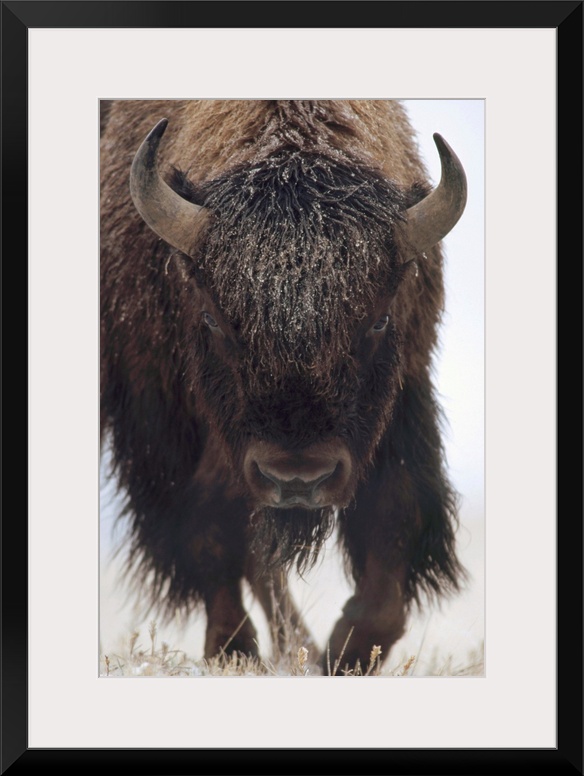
431, 219
165, 212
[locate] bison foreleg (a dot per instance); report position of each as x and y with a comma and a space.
229, 628
372, 619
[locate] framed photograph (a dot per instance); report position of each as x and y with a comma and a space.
492, 678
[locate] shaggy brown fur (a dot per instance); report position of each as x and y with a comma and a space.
266, 335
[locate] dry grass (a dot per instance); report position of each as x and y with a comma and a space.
289, 658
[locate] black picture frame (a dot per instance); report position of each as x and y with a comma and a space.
18, 17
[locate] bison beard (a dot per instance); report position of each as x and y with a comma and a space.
294, 243
281, 537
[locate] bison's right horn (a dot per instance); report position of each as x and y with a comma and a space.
165, 212
431, 219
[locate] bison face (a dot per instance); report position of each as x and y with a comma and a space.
287, 437
299, 422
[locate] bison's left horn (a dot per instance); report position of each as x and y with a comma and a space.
431, 219
165, 212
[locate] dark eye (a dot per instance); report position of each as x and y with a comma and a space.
210, 321
381, 323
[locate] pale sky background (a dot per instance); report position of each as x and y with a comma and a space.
457, 627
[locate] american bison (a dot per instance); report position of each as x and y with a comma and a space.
271, 288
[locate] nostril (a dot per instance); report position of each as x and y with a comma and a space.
325, 476
268, 477
265, 472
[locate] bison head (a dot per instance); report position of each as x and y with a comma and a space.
297, 272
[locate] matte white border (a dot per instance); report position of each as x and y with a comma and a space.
514, 71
